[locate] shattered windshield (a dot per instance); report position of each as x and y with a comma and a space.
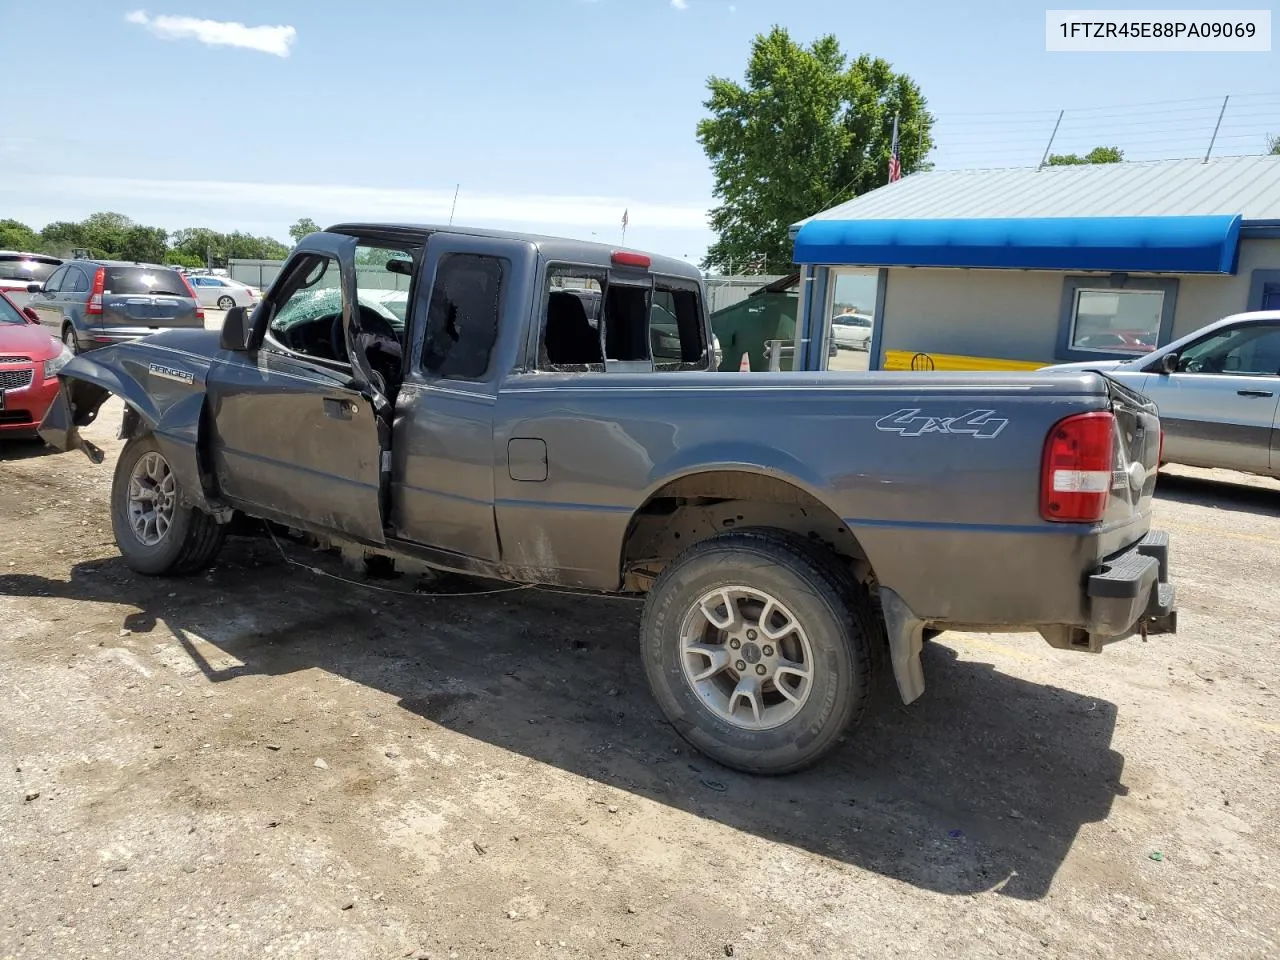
306, 305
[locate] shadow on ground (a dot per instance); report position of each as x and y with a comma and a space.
982, 784
1219, 494
23, 448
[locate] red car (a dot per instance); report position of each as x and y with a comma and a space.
29, 363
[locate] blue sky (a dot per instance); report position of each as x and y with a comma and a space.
553, 115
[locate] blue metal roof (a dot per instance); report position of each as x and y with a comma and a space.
1201, 244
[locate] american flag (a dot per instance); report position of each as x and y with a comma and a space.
895, 165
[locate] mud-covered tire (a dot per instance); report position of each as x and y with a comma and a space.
833, 612
191, 541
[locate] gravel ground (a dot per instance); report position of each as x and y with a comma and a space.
266, 762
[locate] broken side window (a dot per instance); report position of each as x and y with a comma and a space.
676, 336
570, 340
462, 320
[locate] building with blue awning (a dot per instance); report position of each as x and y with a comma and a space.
1015, 269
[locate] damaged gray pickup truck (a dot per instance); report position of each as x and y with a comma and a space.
546, 411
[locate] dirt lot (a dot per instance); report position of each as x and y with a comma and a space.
265, 762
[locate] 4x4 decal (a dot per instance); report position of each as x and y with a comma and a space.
910, 422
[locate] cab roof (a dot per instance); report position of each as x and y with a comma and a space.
552, 248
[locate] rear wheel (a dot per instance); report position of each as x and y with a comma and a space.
156, 534
757, 649
225, 303
69, 339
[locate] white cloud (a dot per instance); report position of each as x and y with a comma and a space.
341, 201
680, 4
217, 33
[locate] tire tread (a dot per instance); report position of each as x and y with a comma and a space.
203, 536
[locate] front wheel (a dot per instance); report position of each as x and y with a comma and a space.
158, 535
757, 649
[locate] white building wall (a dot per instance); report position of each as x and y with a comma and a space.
1014, 314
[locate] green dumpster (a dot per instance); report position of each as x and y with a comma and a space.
746, 327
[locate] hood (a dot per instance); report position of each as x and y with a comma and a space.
27, 340
1090, 365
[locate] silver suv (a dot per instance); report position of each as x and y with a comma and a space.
92, 303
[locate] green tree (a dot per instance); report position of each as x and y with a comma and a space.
242, 246
1096, 155
206, 247
143, 244
1273, 145
15, 235
809, 129
179, 258
302, 228
200, 242
108, 232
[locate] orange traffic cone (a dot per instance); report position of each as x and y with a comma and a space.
745, 365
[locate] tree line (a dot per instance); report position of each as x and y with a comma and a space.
114, 236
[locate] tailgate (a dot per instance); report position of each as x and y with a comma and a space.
137, 295
126, 310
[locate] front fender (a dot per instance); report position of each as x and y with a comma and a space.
84, 386
170, 409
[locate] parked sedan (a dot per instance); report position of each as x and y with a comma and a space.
852, 330
1218, 391
91, 303
29, 363
223, 293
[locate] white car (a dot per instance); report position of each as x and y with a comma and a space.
1217, 390
397, 301
222, 292
852, 330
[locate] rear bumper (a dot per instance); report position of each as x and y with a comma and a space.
96, 337
1131, 591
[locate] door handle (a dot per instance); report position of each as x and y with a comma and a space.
339, 409
1255, 393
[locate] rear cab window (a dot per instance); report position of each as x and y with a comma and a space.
595, 319
24, 268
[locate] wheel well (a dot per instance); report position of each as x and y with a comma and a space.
693, 508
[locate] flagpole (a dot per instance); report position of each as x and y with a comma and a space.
895, 162
625, 218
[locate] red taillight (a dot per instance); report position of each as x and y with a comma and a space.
1075, 475
94, 307
191, 292
622, 258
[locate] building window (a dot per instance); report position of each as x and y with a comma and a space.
1127, 321
1120, 317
